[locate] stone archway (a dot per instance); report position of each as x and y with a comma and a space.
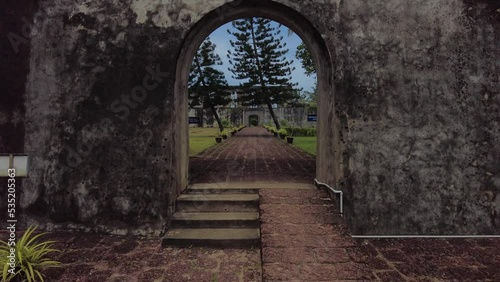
253, 120
408, 112
256, 113
326, 147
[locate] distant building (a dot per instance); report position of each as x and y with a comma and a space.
238, 114
295, 116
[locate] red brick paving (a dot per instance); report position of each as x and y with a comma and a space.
105, 258
253, 154
304, 239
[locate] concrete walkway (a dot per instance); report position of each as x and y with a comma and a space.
303, 237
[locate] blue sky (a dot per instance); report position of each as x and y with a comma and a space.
221, 38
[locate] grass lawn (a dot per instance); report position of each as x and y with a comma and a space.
307, 144
201, 139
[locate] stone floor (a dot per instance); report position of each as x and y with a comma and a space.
303, 237
106, 258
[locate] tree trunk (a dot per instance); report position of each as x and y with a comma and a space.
201, 114
212, 107
261, 76
219, 122
271, 111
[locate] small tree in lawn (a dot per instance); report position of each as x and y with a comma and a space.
259, 60
207, 85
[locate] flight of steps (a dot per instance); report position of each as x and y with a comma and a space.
216, 217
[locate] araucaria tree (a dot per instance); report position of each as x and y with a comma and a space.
207, 85
258, 59
305, 57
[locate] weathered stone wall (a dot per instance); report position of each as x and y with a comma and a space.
418, 98
416, 95
98, 122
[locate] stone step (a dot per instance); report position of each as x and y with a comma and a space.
213, 237
215, 220
218, 203
220, 190
254, 185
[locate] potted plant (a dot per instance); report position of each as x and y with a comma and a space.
224, 134
234, 130
289, 138
283, 133
218, 138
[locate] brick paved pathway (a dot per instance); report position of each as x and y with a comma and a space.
304, 239
253, 154
300, 243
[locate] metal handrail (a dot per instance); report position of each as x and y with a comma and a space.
317, 183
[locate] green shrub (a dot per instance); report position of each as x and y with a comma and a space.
283, 132
30, 256
226, 123
298, 131
311, 132
254, 122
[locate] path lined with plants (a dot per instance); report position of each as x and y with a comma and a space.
253, 154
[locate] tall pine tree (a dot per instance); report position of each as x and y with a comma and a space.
207, 85
259, 60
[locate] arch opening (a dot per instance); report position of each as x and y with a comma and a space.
227, 13
253, 120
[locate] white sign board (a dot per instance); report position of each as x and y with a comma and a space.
17, 162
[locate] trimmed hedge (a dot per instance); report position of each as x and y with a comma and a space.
299, 131
295, 131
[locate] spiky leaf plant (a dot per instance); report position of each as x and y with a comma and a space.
31, 257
